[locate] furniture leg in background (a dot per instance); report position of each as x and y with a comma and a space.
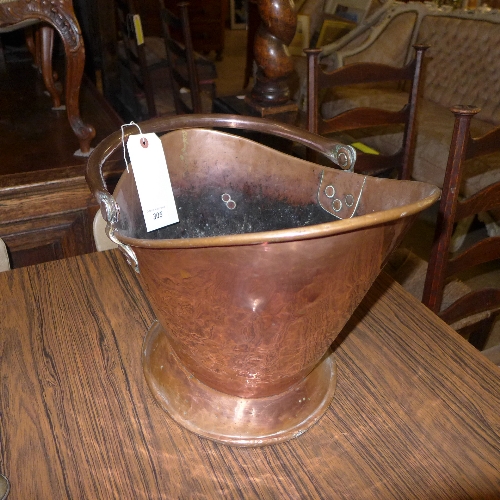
16, 14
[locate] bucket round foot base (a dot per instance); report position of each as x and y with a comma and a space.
231, 419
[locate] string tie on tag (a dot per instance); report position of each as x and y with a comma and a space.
123, 141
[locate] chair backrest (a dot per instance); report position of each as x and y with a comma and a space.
133, 52
181, 59
442, 265
364, 117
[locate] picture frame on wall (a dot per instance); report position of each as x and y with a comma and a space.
332, 30
302, 36
238, 11
350, 10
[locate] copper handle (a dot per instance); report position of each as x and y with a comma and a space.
342, 155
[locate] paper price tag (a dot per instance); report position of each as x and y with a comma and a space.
153, 181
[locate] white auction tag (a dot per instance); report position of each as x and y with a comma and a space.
153, 182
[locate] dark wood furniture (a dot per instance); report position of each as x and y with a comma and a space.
363, 117
48, 215
442, 265
40, 42
187, 69
46, 207
415, 413
132, 51
99, 30
207, 19
238, 105
271, 91
61, 17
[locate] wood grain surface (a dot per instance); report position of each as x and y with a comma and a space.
415, 415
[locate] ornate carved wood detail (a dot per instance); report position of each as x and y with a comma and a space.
277, 29
60, 15
57, 13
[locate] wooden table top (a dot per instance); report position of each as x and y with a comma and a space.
416, 413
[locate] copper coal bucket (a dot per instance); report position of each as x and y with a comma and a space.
241, 350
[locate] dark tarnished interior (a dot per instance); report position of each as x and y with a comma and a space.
267, 190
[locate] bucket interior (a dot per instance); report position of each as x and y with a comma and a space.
227, 185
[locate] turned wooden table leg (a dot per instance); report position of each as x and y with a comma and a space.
271, 92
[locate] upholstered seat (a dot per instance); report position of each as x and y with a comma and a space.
360, 78
461, 65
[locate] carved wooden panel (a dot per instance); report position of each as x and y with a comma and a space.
47, 219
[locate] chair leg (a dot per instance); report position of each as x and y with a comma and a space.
75, 60
31, 45
40, 43
479, 333
46, 47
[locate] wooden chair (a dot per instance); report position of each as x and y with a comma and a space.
58, 16
137, 62
190, 73
364, 117
471, 312
40, 42
452, 210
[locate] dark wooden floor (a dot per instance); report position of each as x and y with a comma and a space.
33, 136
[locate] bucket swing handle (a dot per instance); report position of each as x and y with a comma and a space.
342, 155
110, 212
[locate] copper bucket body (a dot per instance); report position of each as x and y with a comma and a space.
241, 351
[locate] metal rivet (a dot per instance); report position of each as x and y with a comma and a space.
330, 191
342, 159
